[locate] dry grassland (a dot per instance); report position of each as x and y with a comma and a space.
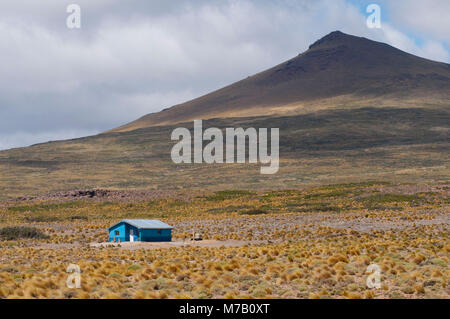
310, 243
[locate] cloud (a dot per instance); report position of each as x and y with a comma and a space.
426, 18
137, 57
429, 49
436, 51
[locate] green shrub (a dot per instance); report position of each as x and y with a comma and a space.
41, 219
223, 195
44, 207
16, 232
228, 209
78, 217
306, 207
379, 201
254, 212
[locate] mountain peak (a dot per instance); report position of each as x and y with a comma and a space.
338, 70
335, 34
333, 38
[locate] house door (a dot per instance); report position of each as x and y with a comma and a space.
131, 235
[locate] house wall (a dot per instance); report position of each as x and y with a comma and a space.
122, 232
153, 235
127, 232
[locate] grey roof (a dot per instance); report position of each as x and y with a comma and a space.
145, 224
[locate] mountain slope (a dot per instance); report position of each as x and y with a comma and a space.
337, 71
326, 104
326, 147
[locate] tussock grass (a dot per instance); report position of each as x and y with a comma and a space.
287, 253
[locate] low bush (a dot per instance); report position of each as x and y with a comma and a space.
230, 194
384, 201
253, 212
17, 232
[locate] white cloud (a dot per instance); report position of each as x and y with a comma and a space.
436, 51
430, 49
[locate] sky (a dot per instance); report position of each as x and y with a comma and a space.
131, 58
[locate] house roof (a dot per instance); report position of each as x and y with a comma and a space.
145, 224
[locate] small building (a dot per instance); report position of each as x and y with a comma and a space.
140, 230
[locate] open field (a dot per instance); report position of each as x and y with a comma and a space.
315, 242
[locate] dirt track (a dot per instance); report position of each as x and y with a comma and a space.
156, 245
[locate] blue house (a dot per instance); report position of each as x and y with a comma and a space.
140, 230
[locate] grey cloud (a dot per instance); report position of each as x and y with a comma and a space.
134, 57
427, 18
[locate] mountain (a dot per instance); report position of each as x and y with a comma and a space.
337, 71
349, 110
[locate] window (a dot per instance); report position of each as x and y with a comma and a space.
116, 233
